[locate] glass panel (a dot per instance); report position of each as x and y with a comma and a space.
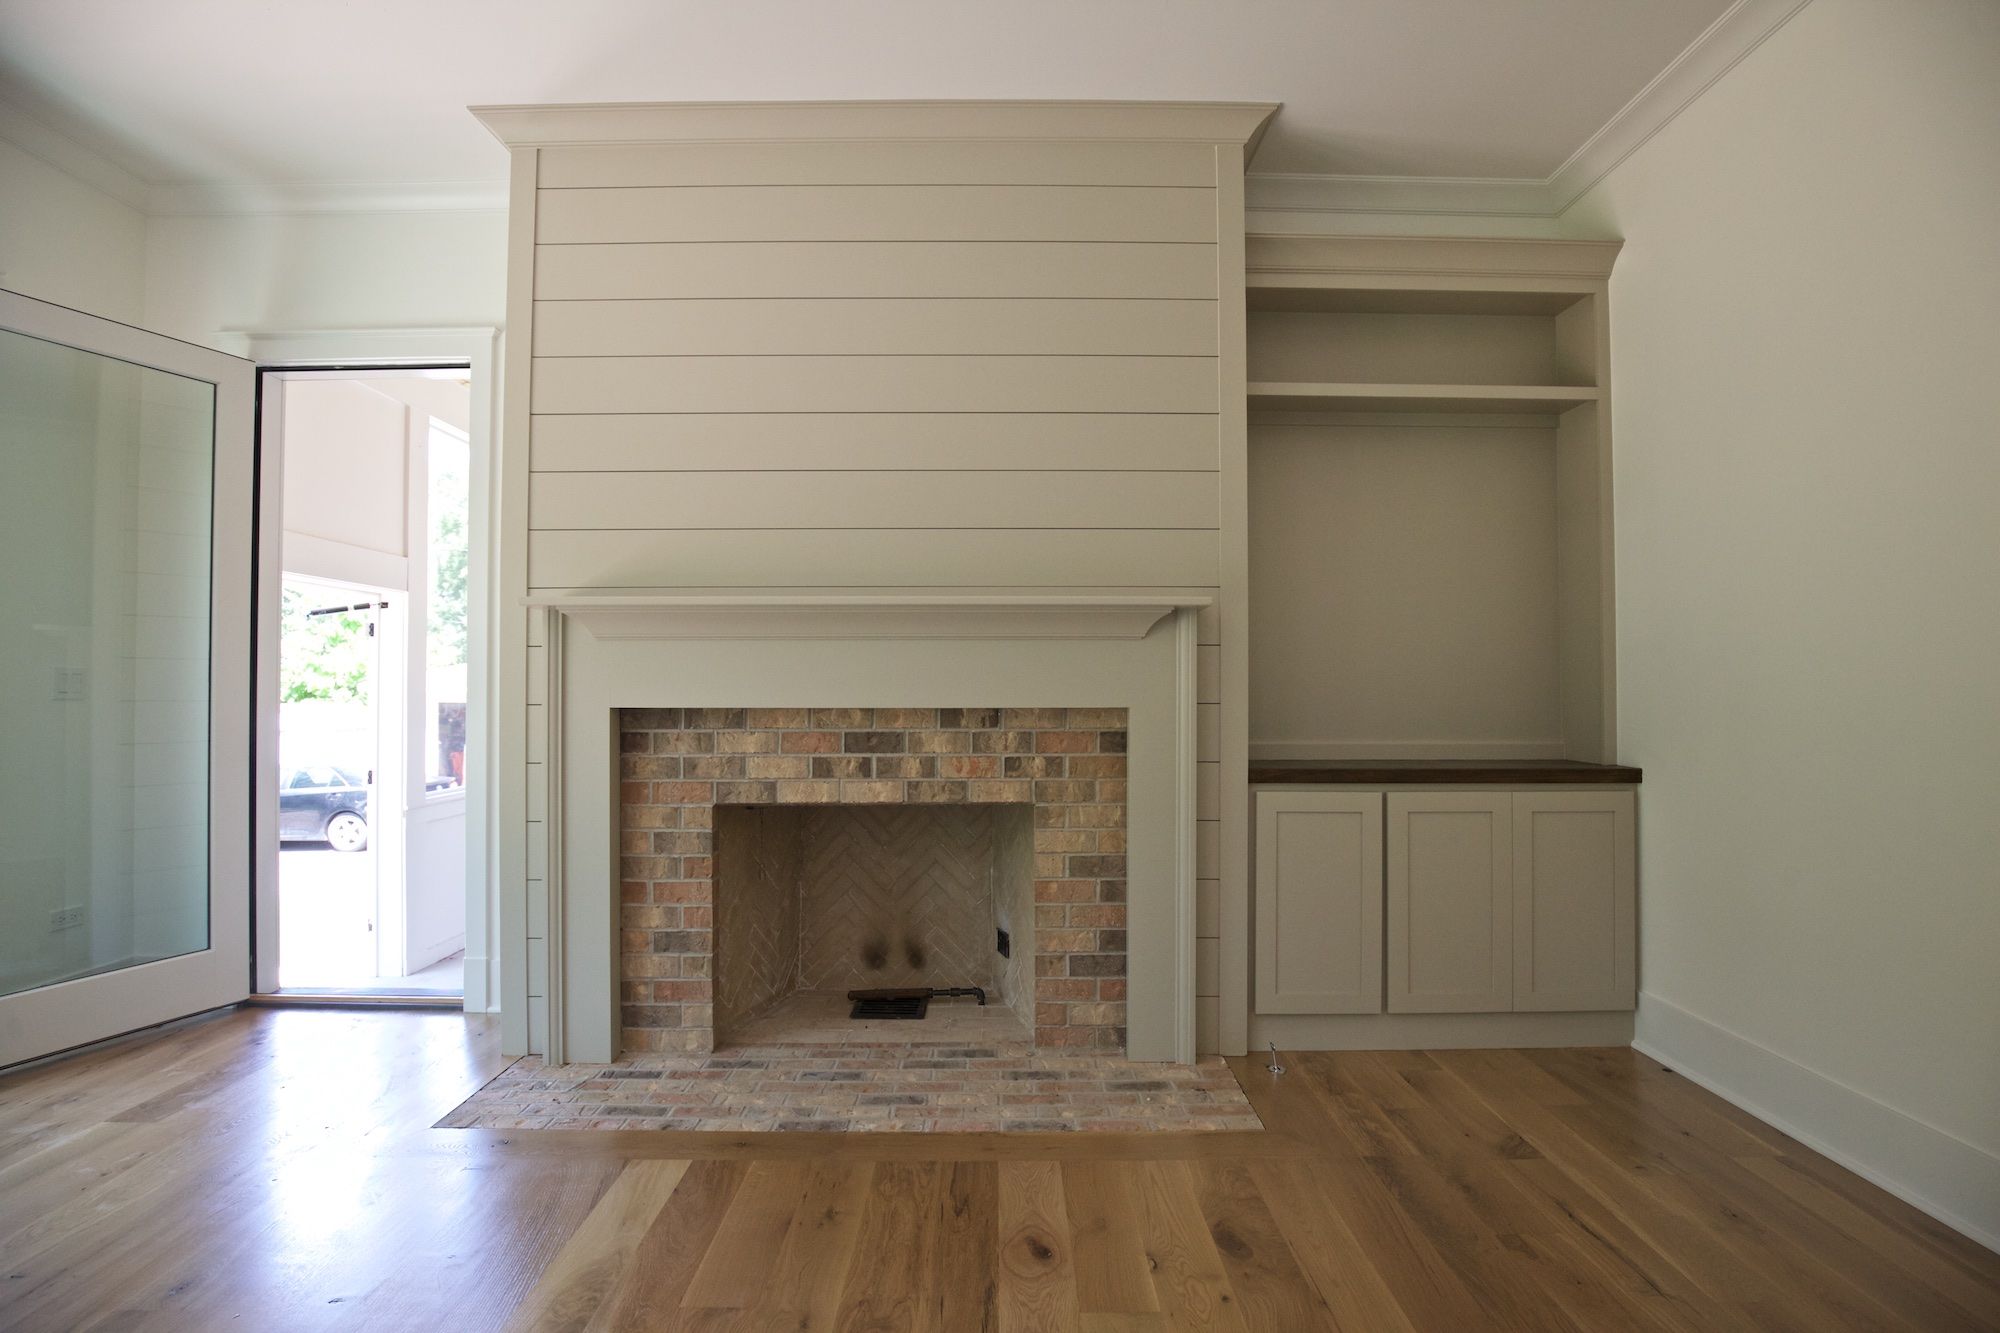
444, 675
106, 477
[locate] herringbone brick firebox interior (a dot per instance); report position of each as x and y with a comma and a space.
768, 852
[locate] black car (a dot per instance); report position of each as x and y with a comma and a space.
324, 804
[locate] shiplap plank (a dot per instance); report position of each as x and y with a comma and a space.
888, 326
874, 384
871, 558
1000, 162
875, 213
874, 441
724, 500
708, 269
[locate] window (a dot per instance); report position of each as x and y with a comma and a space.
445, 635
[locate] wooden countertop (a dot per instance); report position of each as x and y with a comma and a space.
1385, 772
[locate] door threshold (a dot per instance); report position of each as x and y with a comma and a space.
333, 999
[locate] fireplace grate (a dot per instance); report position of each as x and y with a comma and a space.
905, 1001
889, 1004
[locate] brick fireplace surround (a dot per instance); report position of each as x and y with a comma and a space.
676, 765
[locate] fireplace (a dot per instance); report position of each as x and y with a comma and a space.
1076, 712
773, 853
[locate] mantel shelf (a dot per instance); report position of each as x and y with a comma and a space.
868, 616
1514, 398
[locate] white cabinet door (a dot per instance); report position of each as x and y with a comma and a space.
1451, 902
1575, 878
1319, 903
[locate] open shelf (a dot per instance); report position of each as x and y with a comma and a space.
1535, 399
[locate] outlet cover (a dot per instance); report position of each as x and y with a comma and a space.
65, 918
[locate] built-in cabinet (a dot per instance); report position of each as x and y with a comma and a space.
1447, 902
1429, 576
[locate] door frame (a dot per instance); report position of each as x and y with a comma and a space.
67, 1014
361, 351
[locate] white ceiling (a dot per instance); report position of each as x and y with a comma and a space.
315, 92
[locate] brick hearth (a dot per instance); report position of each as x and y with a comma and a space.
676, 765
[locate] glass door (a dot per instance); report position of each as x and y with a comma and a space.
125, 524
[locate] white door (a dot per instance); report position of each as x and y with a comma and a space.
126, 460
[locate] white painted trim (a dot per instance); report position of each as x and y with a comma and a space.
1956, 1182
1318, 200
1743, 28
591, 677
660, 122
709, 616
480, 348
100, 173
1187, 756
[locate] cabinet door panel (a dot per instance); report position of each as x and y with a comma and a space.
1319, 903
1575, 891
1451, 902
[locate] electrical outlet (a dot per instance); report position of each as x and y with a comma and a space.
69, 685
65, 918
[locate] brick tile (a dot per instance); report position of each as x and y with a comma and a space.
871, 792
808, 792
841, 718
906, 718
1034, 718
843, 765
969, 766
936, 793
810, 742
774, 719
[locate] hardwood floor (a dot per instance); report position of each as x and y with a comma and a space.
273, 1170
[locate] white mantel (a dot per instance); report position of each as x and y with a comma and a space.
872, 616
715, 651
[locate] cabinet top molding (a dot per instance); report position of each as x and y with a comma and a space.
1276, 254
692, 122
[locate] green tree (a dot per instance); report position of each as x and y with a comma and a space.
323, 657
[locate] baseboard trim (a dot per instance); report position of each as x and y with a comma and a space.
1952, 1180
1434, 1032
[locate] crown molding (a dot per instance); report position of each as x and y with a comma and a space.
66, 155
721, 122
1741, 29
201, 199
1472, 196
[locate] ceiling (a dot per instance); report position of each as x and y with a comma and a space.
251, 93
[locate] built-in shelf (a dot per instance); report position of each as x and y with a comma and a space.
1512, 398
670, 615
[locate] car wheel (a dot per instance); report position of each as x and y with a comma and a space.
347, 831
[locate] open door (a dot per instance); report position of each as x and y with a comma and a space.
126, 506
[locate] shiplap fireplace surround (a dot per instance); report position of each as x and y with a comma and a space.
883, 405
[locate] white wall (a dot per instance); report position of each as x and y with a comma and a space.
347, 480
1806, 360
205, 275
67, 242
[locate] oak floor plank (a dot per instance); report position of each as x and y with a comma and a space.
1271, 1290
809, 1271
967, 1227
738, 1263
278, 1170
1037, 1261
575, 1291
891, 1281
673, 1248
1112, 1275
1188, 1275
